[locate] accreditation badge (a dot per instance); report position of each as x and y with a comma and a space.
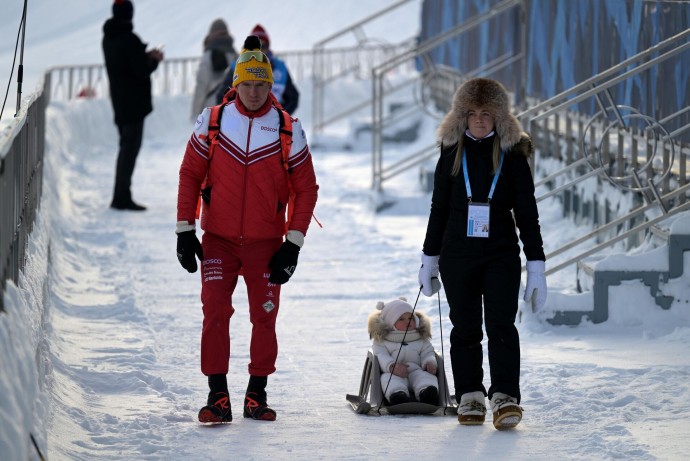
478, 220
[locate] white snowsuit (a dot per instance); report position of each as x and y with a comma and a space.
416, 352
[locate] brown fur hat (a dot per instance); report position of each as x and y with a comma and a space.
485, 93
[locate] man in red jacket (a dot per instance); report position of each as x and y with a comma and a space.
246, 188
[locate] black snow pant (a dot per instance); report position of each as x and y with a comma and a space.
495, 280
131, 135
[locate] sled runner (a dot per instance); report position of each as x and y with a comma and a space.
371, 399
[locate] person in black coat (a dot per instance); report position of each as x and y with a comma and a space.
129, 67
483, 189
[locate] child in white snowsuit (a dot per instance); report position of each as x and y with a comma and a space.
393, 327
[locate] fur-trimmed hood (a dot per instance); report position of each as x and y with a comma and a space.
488, 94
379, 330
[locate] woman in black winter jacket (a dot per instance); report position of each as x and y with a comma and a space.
483, 189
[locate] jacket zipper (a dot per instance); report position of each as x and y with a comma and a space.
246, 168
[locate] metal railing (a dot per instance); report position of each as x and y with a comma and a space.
177, 76
618, 145
612, 227
22, 147
324, 76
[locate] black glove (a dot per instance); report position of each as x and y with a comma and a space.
187, 246
283, 263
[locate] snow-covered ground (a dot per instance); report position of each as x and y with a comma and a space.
112, 356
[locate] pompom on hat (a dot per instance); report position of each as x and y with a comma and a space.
260, 32
392, 310
252, 63
123, 10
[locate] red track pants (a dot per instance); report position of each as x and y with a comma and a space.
219, 273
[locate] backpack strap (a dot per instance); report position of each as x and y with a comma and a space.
212, 138
285, 131
213, 133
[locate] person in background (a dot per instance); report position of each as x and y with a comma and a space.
483, 190
283, 87
246, 190
129, 67
394, 329
219, 53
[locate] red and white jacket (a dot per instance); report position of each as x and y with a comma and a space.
249, 182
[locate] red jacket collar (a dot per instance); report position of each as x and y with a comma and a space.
253, 113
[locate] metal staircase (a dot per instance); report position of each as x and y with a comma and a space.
621, 147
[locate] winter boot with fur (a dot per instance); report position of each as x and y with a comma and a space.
472, 409
507, 412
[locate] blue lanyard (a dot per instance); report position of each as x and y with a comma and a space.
467, 178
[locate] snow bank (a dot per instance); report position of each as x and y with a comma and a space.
23, 398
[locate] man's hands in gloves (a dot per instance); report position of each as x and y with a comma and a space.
187, 247
284, 261
535, 290
428, 275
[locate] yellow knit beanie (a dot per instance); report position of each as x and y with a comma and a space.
252, 64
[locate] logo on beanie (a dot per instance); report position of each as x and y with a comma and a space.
258, 72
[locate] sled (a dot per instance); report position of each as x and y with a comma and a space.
370, 400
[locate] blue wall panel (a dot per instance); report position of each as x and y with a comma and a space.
568, 42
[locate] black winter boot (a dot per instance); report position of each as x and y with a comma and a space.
255, 404
399, 397
217, 409
429, 395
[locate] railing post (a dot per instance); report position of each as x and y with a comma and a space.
521, 30
376, 107
317, 100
